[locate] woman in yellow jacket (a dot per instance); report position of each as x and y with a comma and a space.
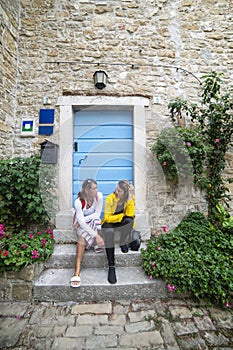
119, 213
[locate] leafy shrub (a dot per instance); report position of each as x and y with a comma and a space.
192, 258
21, 204
226, 221
21, 249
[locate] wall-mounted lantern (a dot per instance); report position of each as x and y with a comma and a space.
100, 79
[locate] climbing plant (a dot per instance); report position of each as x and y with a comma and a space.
212, 119
181, 153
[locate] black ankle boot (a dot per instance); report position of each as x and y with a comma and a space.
112, 275
124, 248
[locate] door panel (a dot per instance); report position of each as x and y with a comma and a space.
94, 146
103, 131
104, 143
112, 159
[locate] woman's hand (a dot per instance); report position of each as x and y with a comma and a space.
131, 192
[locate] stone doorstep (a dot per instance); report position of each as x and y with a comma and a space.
64, 257
132, 283
65, 236
53, 284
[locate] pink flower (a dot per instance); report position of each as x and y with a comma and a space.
49, 231
189, 144
151, 277
153, 263
171, 288
159, 248
2, 233
164, 163
51, 236
31, 236
2, 227
6, 253
24, 246
217, 140
35, 254
164, 228
228, 304
39, 233
43, 242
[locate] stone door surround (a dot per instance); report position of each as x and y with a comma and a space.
68, 105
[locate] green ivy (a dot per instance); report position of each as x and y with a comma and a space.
192, 258
21, 205
181, 152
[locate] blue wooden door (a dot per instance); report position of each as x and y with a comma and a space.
103, 148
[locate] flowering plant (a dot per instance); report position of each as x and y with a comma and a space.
26, 193
213, 116
193, 258
22, 248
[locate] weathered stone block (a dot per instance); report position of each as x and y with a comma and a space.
21, 292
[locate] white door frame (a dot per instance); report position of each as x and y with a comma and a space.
68, 104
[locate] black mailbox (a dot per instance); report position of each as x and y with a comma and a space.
48, 152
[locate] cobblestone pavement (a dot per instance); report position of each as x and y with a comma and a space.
129, 325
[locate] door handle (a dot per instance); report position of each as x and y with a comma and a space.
75, 146
80, 160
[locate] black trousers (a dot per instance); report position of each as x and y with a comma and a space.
125, 228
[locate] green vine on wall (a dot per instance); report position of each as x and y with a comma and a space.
181, 154
211, 137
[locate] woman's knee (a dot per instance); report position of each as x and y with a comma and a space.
108, 232
128, 220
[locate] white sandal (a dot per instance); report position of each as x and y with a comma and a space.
98, 249
76, 279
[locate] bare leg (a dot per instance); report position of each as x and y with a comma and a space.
79, 257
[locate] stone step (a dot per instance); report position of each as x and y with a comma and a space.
65, 236
132, 283
64, 257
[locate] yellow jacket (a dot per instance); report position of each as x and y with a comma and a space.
110, 207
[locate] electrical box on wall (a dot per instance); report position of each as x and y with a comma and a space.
48, 152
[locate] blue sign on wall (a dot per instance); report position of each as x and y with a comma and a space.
27, 127
46, 122
46, 116
45, 130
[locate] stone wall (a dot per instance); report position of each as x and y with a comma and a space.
17, 286
140, 44
9, 31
